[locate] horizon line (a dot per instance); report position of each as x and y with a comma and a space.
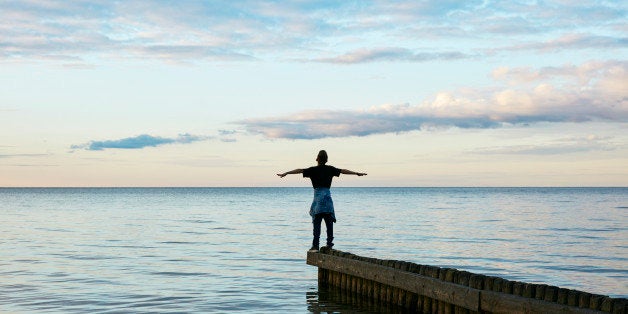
340, 187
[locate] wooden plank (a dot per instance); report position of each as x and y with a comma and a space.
496, 302
451, 293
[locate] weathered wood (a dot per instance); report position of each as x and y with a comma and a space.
529, 290
433, 288
517, 288
551, 293
375, 290
607, 304
321, 276
427, 305
596, 302
620, 306
476, 281
507, 286
411, 301
428, 289
584, 300
496, 302
562, 296
360, 288
540, 292
573, 298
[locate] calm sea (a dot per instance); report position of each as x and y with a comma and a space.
110, 250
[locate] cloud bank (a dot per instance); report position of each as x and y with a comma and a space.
139, 142
173, 31
589, 92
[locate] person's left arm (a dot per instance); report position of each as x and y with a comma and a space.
346, 171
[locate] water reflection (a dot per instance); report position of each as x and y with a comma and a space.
334, 300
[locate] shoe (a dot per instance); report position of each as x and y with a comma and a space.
326, 249
314, 248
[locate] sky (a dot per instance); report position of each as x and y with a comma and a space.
229, 93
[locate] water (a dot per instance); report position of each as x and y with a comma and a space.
243, 249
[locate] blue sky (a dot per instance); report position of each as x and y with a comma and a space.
228, 93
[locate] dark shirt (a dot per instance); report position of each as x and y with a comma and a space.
321, 175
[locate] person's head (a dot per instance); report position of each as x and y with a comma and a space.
322, 157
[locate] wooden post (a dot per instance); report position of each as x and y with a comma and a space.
551, 293
573, 298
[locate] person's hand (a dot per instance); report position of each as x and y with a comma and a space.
281, 175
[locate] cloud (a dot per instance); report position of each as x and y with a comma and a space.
175, 31
589, 92
189, 52
608, 70
23, 155
227, 132
391, 54
573, 42
556, 147
75, 31
139, 142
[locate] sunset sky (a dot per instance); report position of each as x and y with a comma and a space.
229, 93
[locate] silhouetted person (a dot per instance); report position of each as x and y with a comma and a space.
322, 206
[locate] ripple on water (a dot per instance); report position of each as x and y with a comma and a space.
221, 250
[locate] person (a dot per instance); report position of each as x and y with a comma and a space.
322, 206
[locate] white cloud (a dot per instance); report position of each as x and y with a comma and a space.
592, 91
555, 147
391, 54
581, 72
573, 41
296, 30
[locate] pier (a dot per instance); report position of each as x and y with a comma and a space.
418, 288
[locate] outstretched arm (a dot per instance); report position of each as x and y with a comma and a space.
295, 171
345, 171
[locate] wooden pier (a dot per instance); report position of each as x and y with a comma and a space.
429, 289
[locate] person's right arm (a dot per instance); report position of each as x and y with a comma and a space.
295, 171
